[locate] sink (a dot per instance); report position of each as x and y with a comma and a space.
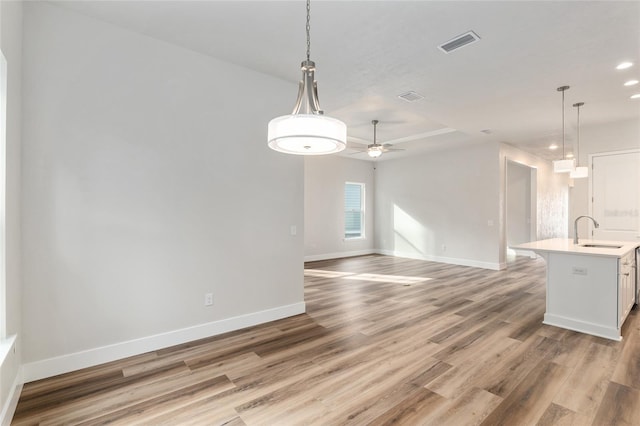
610, 246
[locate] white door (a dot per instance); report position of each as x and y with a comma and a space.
615, 195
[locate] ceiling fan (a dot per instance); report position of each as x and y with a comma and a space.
376, 149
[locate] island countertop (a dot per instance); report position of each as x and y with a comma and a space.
565, 245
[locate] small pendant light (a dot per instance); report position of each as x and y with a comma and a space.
564, 165
579, 172
307, 131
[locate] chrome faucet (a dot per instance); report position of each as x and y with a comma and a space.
575, 227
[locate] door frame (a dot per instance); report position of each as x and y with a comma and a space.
533, 205
591, 157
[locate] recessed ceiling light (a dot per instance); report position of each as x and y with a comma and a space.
569, 155
636, 96
631, 83
553, 146
624, 65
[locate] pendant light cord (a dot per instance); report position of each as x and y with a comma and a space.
578, 145
308, 30
578, 105
563, 157
562, 89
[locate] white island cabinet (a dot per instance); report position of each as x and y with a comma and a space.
590, 286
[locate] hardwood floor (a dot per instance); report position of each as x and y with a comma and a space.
385, 340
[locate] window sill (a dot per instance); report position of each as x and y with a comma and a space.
354, 239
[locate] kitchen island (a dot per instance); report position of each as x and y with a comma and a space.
590, 285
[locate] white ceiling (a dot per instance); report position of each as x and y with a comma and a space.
367, 53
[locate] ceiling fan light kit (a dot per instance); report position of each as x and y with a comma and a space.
375, 149
374, 152
565, 165
306, 131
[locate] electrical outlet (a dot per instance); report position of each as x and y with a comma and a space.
208, 299
579, 270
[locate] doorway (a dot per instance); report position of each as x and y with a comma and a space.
520, 207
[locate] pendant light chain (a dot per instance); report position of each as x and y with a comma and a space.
308, 30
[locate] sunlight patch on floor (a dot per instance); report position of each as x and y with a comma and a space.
381, 278
325, 274
398, 279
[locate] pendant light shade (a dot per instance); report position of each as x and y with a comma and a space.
564, 165
307, 134
579, 172
306, 131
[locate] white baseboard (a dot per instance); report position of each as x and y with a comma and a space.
583, 326
338, 255
11, 403
449, 260
63, 364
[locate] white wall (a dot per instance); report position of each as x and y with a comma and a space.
441, 206
147, 182
11, 45
324, 179
618, 136
436, 206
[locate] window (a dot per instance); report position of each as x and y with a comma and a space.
354, 210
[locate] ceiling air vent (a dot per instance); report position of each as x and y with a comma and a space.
411, 96
459, 41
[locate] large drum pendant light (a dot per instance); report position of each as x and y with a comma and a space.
306, 131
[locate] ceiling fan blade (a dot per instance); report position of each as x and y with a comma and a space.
387, 147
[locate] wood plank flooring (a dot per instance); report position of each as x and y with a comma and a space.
385, 341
